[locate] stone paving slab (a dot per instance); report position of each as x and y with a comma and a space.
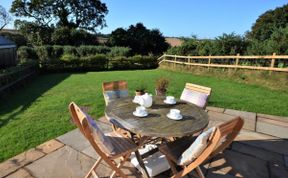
217, 174
216, 116
49, 146
277, 118
21, 173
239, 165
19, 161
215, 109
64, 162
74, 139
272, 127
263, 141
258, 153
249, 118
89, 151
277, 171
286, 160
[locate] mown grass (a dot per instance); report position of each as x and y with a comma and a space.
38, 112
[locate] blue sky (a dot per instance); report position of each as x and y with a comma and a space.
204, 18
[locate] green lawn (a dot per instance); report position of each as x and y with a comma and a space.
38, 112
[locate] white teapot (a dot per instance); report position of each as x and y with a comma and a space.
145, 100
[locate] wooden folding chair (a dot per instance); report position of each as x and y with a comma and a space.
120, 85
221, 139
197, 88
114, 86
122, 146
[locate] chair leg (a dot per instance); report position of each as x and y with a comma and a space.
121, 163
199, 172
92, 170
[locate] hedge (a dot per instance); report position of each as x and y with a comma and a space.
85, 58
12, 74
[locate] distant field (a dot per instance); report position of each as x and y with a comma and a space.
38, 112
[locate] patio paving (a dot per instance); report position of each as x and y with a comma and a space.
252, 154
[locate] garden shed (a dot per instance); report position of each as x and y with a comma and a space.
8, 53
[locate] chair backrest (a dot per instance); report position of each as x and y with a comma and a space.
81, 121
114, 89
221, 139
115, 85
198, 88
196, 94
229, 130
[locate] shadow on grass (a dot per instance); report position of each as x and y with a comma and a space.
15, 103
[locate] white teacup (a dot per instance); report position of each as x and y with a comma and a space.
170, 99
140, 110
175, 113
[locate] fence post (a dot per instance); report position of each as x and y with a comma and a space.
237, 59
272, 63
209, 62
175, 59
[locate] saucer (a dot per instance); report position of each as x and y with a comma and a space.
173, 118
140, 115
166, 102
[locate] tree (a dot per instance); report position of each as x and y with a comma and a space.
269, 22
35, 34
230, 44
4, 17
83, 14
140, 39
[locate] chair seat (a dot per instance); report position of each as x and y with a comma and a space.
174, 149
120, 143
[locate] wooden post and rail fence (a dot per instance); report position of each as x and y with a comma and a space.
265, 62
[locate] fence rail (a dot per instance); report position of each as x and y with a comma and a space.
242, 62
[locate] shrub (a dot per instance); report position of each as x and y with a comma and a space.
144, 61
86, 50
121, 63
134, 62
57, 51
61, 36
70, 50
119, 51
25, 53
82, 37
44, 53
69, 58
98, 61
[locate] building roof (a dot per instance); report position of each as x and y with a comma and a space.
5, 41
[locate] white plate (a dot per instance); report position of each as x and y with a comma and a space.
138, 115
165, 101
173, 118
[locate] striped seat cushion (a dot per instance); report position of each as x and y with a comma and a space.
196, 148
110, 95
100, 138
194, 97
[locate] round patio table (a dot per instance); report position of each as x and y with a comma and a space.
157, 124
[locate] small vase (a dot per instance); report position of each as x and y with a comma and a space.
160, 92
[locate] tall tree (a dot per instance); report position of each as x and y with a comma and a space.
268, 22
4, 17
140, 39
83, 14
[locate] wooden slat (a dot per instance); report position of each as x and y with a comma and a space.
198, 88
230, 57
232, 66
114, 85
